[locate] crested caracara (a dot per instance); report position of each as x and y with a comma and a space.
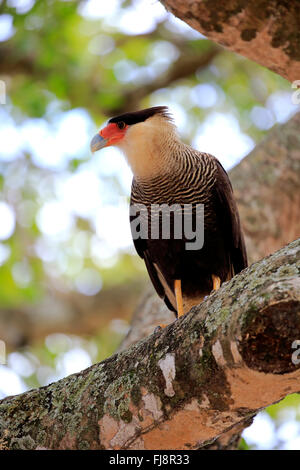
170, 174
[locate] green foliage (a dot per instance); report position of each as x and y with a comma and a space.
291, 402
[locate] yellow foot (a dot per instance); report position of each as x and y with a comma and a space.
216, 282
178, 295
160, 327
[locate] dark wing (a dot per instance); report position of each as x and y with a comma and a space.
154, 273
228, 217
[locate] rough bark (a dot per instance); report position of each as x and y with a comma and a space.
206, 373
266, 31
267, 187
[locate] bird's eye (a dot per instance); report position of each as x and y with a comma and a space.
121, 124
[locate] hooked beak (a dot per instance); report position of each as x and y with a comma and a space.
98, 142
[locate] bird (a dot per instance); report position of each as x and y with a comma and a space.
169, 173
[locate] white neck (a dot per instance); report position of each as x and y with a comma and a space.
148, 147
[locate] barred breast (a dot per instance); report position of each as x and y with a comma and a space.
189, 180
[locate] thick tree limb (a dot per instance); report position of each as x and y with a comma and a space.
267, 187
184, 386
264, 31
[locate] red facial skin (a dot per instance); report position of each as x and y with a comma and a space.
112, 134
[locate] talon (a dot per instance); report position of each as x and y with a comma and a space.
160, 327
216, 282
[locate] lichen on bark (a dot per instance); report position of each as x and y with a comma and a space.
266, 31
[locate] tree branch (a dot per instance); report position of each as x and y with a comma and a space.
266, 32
185, 66
266, 185
184, 386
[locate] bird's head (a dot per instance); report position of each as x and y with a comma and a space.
141, 135
112, 134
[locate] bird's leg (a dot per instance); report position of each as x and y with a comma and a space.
178, 295
216, 282
179, 303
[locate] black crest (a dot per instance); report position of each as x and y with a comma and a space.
141, 116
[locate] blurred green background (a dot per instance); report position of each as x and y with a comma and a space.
69, 275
